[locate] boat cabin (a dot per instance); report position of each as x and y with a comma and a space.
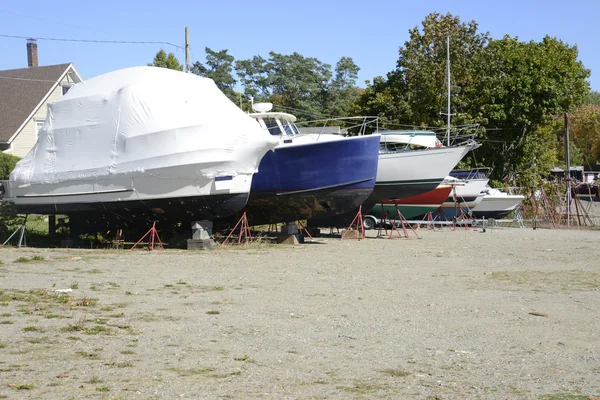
277, 123
403, 140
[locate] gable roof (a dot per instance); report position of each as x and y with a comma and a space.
22, 92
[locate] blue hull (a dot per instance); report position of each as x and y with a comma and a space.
296, 182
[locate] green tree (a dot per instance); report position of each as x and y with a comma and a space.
343, 91
528, 85
511, 88
164, 60
593, 98
7, 164
219, 68
292, 81
584, 133
418, 84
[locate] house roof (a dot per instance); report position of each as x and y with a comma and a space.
22, 92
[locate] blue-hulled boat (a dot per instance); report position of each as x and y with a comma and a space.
309, 175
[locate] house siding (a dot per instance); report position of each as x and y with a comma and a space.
26, 139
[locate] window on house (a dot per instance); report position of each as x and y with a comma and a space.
39, 125
65, 89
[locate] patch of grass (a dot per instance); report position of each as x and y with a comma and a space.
91, 356
2, 345
23, 386
94, 380
244, 358
218, 288
396, 373
7, 314
566, 396
181, 282
124, 365
127, 352
31, 328
73, 328
113, 285
93, 271
362, 388
191, 371
6, 322
86, 302
551, 281
117, 315
73, 338
213, 312
103, 389
97, 330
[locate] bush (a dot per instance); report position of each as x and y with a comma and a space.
7, 164
9, 219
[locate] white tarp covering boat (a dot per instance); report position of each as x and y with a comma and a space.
141, 135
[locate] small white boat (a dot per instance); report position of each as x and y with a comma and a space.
497, 204
137, 145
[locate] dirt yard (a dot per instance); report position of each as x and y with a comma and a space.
504, 314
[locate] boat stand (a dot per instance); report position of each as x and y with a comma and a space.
383, 222
244, 231
22, 236
400, 221
153, 240
302, 228
356, 230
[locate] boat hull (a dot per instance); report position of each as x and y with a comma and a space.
172, 195
497, 206
401, 175
410, 173
414, 206
314, 179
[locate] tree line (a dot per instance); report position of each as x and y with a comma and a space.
516, 92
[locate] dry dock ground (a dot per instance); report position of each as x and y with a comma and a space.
506, 314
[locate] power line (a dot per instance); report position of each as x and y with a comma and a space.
92, 41
46, 20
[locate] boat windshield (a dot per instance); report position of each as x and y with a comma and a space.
272, 126
289, 128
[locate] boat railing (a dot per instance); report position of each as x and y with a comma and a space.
473, 173
351, 126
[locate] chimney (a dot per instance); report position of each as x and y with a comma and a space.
32, 55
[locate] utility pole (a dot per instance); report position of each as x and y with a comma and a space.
187, 50
568, 162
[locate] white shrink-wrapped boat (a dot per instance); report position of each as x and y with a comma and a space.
141, 144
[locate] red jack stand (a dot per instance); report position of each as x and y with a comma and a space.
301, 228
403, 224
428, 220
244, 231
153, 239
357, 223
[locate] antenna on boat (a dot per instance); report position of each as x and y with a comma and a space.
448, 84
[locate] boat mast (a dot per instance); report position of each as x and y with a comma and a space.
448, 84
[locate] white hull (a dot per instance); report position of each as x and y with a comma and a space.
409, 173
497, 205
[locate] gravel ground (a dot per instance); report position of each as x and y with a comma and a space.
504, 314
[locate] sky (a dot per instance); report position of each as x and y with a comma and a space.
369, 32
